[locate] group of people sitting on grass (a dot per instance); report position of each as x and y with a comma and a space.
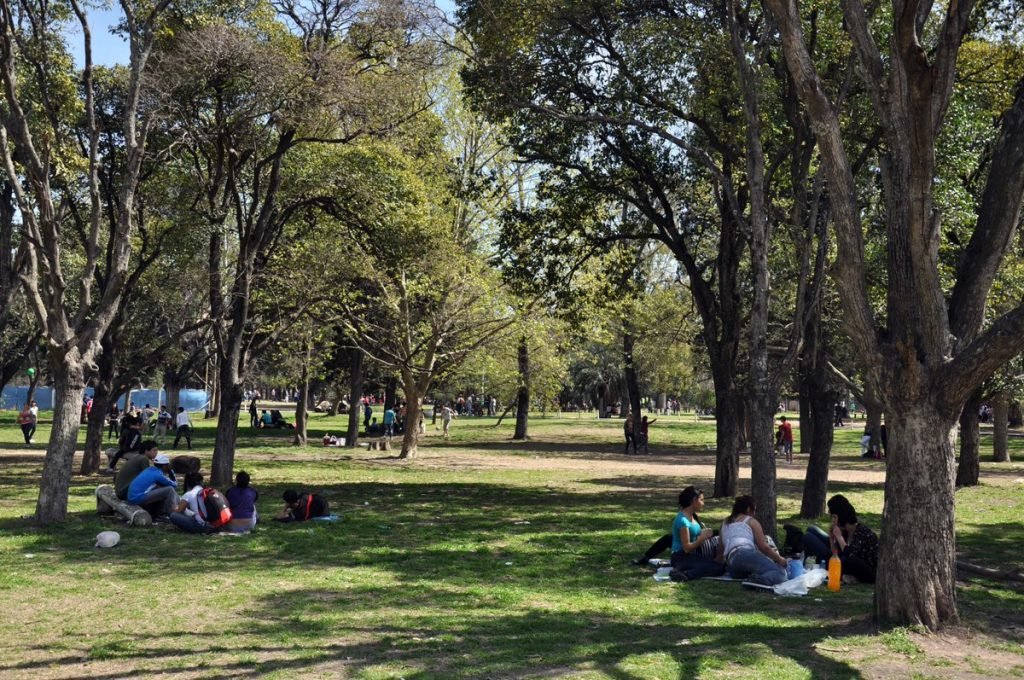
149, 481
743, 550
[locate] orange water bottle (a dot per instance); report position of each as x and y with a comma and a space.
835, 572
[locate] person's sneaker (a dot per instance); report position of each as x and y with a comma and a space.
640, 561
161, 519
678, 576
111, 471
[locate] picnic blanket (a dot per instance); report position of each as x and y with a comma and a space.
794, 587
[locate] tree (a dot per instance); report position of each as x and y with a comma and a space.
54, 168
638, 125
421, 297
927, 353
249, 97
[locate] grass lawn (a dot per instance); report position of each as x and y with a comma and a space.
482, 558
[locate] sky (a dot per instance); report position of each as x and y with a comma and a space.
109, 49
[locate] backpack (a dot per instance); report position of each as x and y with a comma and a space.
218, 512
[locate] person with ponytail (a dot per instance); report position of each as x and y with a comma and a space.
746, 552
692, 542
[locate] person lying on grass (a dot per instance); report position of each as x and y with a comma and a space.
300, 508
746, 552
855, 544
689, 536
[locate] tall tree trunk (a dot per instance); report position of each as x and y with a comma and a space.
172, 389
1000, 425
917, 572
301, 409
216, 394
222, 467
630, 378
730, 437
762, 461
523, 394
806, 420
355, 390
413, 406
68, 377
390, 393
822, 402
969, 466
874, 421
96, 423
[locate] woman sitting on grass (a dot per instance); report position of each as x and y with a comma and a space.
689, 537
745, 549
855, 544
242, 499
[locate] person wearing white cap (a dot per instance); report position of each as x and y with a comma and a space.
155, 489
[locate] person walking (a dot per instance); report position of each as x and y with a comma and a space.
645, 433
786, 438
25, 421
446, 420
627, 430
254, 414
184, 426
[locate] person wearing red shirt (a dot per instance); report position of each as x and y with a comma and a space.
786, 437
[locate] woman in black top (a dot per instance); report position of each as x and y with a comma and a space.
855, 544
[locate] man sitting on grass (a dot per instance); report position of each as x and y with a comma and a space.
302, 508
155, 489
133, 468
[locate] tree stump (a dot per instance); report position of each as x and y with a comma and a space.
108, 503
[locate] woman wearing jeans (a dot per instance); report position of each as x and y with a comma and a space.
745, 549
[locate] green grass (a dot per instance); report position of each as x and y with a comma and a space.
452, 566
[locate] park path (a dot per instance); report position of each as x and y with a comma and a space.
652, 465
466, 458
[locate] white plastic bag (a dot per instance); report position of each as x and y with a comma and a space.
662, 574
798, 587
794, 587
815, 577
107, 539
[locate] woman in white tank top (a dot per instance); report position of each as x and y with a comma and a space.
745, 549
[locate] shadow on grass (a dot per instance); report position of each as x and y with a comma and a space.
307, 628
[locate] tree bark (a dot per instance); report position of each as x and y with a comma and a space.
1000, 427
172, 387
917, 562
729, 435
968, 468
411, 436
355, 389
390, 393
216, 395
822, 403
96, 423
807, 423
630, 378
762, 461
523, 394
222, 467
301, 409
68, 386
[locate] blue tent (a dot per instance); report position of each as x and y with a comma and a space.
193, 400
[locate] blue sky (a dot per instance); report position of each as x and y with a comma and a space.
110, 49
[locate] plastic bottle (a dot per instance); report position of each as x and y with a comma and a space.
835, 572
